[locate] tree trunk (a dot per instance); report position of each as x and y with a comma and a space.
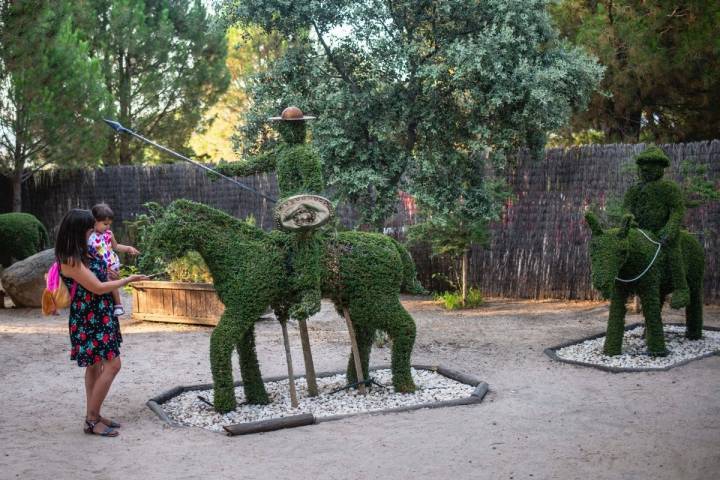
17, 191
464, 276
124, 99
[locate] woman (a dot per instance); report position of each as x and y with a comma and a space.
94, 330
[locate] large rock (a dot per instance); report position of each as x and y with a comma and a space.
24, 281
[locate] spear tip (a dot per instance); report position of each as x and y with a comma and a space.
114, 125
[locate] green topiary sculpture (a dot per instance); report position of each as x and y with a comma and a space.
360, 271
21, 235
658, 206
299, 171
652, 261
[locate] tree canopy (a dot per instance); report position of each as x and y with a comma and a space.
663, 67
51, 94
409, 92
163, 63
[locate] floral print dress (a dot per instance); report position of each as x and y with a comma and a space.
94, 330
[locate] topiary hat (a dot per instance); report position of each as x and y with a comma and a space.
652, 156
291, 114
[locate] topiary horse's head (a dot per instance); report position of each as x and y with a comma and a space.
608, 252
185, 225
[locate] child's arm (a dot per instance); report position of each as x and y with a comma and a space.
118, 247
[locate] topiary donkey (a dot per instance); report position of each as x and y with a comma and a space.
361, 271
627, 261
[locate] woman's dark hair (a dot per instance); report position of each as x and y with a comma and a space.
102, 211
71, 242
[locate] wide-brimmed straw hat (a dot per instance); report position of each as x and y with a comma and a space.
291, 114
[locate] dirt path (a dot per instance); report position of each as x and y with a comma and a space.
541, 420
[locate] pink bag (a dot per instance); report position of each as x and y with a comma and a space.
55, 295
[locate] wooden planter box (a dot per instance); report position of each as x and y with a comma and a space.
176, 302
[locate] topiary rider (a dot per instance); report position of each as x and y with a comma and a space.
299, 171
658, 205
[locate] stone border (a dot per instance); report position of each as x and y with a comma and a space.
552, 352
477, 396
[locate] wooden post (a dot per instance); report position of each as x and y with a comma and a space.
355, 351
288, 357
307, 356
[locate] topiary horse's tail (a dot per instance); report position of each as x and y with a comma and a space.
410, 282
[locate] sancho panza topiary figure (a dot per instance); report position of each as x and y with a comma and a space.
362, 272
299, 171
659, 206
648, 260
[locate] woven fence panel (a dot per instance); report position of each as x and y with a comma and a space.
538, 249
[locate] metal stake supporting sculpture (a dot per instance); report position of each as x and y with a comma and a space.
649, 256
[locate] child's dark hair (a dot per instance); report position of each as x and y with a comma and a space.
71, 242
102, 211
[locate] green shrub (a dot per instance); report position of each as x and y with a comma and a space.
453, 300
21, 235
189, 268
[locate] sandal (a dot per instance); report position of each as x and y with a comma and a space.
90, 429
110, 423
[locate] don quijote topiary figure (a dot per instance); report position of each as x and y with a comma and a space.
361, 272
300, 181
650, 256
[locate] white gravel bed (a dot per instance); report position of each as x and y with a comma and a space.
188, 409
634, 350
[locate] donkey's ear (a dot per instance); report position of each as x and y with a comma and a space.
627, 222
594, 223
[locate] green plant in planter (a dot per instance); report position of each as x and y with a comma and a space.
362, 272
629, 260
21, 235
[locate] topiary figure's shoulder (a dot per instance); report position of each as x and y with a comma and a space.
669, 187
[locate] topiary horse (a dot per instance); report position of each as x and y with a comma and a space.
629, 261
361, 271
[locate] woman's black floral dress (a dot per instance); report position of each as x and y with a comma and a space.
94, 330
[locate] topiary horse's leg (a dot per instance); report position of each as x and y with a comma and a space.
694, 313
400, 327
616, 322
654, 335
224, 337
250, 368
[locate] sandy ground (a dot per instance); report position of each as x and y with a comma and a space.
542, 419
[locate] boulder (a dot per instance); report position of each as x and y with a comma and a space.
24, 281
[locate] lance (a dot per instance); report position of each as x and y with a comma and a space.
120, 129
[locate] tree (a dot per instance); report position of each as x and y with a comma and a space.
663, 67
163, 63
458, 198
51, 96
403, 88
250, 50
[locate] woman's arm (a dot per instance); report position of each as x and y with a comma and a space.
82, 275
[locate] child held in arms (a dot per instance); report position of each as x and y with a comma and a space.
102, 245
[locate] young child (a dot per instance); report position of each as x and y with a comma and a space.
102, 244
